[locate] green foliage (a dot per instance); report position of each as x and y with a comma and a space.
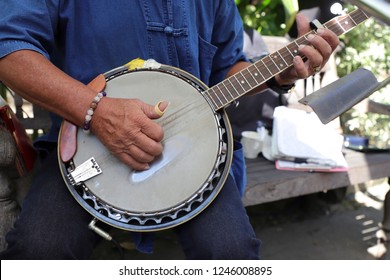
3, 91
268, 17
367, 46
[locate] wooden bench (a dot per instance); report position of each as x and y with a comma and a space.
266, 184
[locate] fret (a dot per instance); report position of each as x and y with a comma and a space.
270, 66
221, 92
346, 25
272, 58
292, 55
236, 84
293, 48
301, 41
353, 20
224, 97
255, 73
244, 82
277, 60
312, 32
231, 96
225, 90
336, 29
286, 56
240, 86
219, 99
210, 97
285, 62
250, 78
231, 86
340, 26
358, 15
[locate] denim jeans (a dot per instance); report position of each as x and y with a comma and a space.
52, 225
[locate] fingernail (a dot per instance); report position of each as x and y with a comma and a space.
310, 37
147, 167
161, 107
320, 31
297, 59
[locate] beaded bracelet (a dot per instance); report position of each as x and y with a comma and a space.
92, 108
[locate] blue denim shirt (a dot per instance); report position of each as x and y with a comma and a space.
88, 37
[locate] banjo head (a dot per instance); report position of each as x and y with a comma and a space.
180, 183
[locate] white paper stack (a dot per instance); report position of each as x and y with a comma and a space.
301, 141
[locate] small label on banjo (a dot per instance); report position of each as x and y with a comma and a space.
84, 171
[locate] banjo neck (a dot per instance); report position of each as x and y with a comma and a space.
237, 85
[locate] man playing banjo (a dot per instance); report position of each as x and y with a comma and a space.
50, 50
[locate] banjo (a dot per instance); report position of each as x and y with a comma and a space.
198, 143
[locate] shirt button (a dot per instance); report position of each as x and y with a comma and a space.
168, 30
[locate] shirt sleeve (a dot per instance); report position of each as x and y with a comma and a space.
28, 25
228, 37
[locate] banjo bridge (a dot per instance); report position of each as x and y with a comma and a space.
84, 171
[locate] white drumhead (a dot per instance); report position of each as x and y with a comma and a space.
191, 147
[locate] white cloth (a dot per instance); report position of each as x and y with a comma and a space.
300, 136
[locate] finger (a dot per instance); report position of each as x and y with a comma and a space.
131, 162
147, 145
300, 68
321, 46
303, 24
140, 155
151, 132
314, 59
330, 37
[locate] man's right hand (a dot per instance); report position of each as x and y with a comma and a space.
127, 129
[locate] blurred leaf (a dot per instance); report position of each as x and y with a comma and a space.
291, 9
3, 91
268, 17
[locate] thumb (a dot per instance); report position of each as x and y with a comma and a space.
157, 111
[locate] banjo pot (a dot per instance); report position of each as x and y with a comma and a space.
182, 182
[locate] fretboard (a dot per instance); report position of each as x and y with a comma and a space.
239, 84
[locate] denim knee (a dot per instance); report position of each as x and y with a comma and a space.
42, 245
222, 230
